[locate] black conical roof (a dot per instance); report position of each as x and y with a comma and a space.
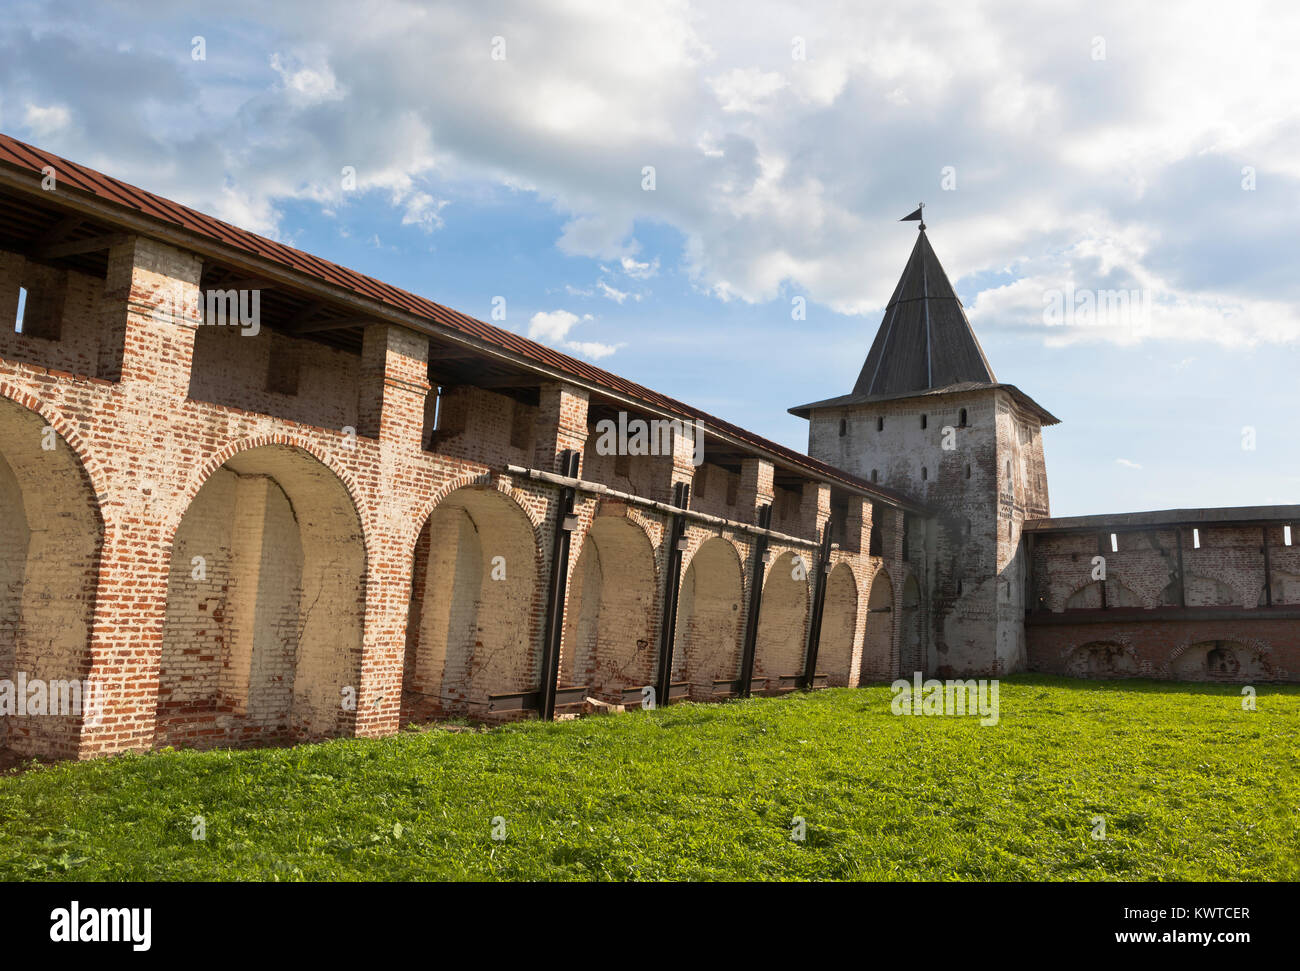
925, 345
925, 340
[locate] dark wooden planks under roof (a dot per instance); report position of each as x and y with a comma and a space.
465, 348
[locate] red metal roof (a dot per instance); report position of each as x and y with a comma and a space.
32, 159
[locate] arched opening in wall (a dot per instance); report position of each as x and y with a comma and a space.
51, 536
609, 623
472, 630
839, 625
265, 602
709, 619
1222, 660
783, 618
911, 657
1118, 594
879, 636
1102, 659
1209, 592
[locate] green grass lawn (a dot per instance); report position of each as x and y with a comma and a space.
1190, 785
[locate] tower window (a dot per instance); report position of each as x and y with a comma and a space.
880, 424
924, 420
1286, 535
1196, 539
925, 473
959, 586
962, 419
875, 476
968, 470
844, 427
1114, 543
282, 369
22, 305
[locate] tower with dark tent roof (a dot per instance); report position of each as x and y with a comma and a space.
928, 417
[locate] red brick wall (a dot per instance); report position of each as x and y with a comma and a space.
346, 565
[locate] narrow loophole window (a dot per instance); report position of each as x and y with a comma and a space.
844, 427
22, 305
1114, 543
880, 424
1196, 539
875, 476
925, 473
925, 420
962, 421
1286, 535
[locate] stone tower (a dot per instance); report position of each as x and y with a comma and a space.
928, 418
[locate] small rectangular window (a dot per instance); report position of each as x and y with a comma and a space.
1114, 543
282, 370
22, 305
521, 426
1196, 539
41, 303
1286, 535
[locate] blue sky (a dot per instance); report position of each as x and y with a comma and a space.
1082, 148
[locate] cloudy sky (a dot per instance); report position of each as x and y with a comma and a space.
652, 185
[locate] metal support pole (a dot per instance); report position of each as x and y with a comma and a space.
755, 602
1268, 571
1101, 550
556, 588
1182, 585
672, 587
818, 607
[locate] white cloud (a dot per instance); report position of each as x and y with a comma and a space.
1127, 464
306, 84
776, 172
552, 326
745, 89
639, 271
46, 121
618, 296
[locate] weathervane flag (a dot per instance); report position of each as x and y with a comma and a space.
913, 216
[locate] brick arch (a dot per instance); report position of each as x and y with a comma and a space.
610, 618
1102, 658
783, 617
232, 449
474, 626
911, 644
741, 554
262, 639
710, 617
94, 469
878, 636
52, 534
1265, 662
485, 481
839, 626
1091, 591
